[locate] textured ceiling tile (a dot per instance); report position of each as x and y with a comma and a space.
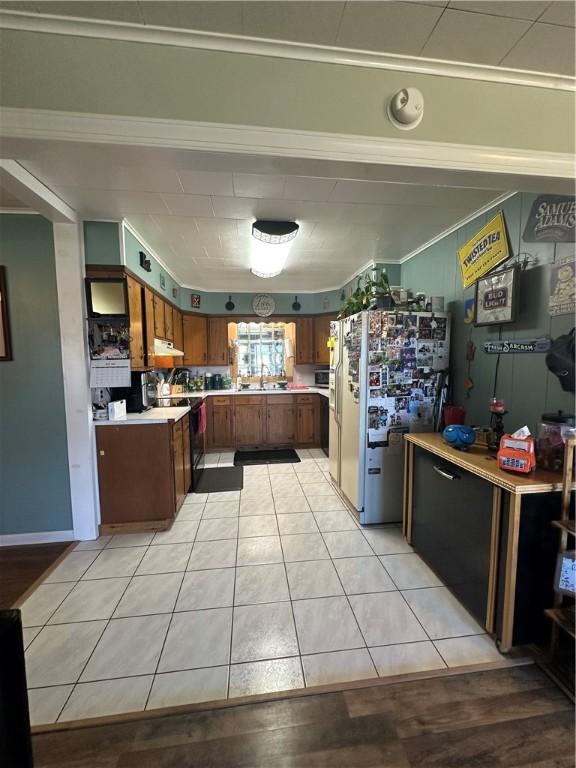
113, 11
209, 16
473, 37
513, 9
387, 26
545, 48
307, 22
563, 13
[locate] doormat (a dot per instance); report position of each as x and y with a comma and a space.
217, 479
279, 456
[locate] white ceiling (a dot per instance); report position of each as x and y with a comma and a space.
530, 35
199, 221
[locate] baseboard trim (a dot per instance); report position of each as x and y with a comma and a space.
44, 537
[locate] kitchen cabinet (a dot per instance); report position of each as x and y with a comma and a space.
249, 421
137, 362
280, 420
149, 326
195, 340
308, 419
324, 424
219, 429
321, 336
217, 353
168, 322
187, 453
136, 471
158, 317
180, 489
304, 347
178, 331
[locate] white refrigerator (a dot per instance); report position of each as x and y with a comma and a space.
386, 377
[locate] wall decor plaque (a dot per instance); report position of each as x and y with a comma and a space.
552, 220
263, 304
503, 347
195, 300
562, 299
487, 249
496, 297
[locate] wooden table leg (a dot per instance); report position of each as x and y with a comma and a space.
510, 574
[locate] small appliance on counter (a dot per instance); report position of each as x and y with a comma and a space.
141, 395
516, 454
322, 378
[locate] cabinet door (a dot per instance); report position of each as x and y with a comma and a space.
249, 425
168, 322
304, 340
307, 430
217, 341
178, 449
149, 329
187, 453
451, 525
136, 324
195, 340
219, 432
281, 424
159, 330
178, 330
321, 336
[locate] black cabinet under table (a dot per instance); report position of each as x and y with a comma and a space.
486, 533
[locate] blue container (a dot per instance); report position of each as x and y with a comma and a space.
459, 436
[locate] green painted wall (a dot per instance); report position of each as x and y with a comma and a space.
34, 478
523, 380
102, 242
57, 72
132, 248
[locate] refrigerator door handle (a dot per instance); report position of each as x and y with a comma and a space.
338, 404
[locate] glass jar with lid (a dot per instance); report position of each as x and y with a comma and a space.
552, 429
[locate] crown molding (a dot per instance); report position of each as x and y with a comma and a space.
42, 124
485, 208
254, 46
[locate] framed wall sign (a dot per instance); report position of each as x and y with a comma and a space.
195, 300
552, 219
496, 297
487, 249
5, 342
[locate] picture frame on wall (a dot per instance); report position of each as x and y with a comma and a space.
496, 297
5, 340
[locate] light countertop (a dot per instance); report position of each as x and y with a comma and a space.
224, 392
153, 416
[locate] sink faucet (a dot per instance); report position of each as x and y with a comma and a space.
262, 374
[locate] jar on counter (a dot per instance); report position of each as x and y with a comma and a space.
552, 430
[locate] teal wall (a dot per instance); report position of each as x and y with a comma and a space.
102, 242
102, 246
523, 380
34, 478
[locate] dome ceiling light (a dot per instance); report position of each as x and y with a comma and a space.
270, 246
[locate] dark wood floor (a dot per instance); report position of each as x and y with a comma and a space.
505, 718
21, 566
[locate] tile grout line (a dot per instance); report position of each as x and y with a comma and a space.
234, 599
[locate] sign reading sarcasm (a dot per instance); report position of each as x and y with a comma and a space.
484, 251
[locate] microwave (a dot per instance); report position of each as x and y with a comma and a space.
321, 378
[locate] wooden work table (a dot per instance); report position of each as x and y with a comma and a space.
485, 532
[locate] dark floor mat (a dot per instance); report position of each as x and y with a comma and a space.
279, 456
216, 479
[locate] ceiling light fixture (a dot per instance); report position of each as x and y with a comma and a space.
271, 245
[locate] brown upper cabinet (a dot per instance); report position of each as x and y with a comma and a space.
136, 324
304, 340
321, 336
149, 326
158, 317
217, 352
195, 340
178, 330
168, 322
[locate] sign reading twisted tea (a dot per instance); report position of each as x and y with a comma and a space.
484, 251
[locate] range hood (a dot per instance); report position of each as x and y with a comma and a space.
162, 347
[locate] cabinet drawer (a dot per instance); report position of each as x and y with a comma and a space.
220, 400
250, 400
306, 398
280, 399
451, 527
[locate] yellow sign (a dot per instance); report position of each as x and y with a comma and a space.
486, 249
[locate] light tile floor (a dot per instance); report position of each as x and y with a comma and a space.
272, 588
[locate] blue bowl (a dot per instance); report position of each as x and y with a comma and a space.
459, 436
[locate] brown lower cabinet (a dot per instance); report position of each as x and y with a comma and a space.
255, 421
142, 474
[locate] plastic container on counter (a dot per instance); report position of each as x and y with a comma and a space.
552, 429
